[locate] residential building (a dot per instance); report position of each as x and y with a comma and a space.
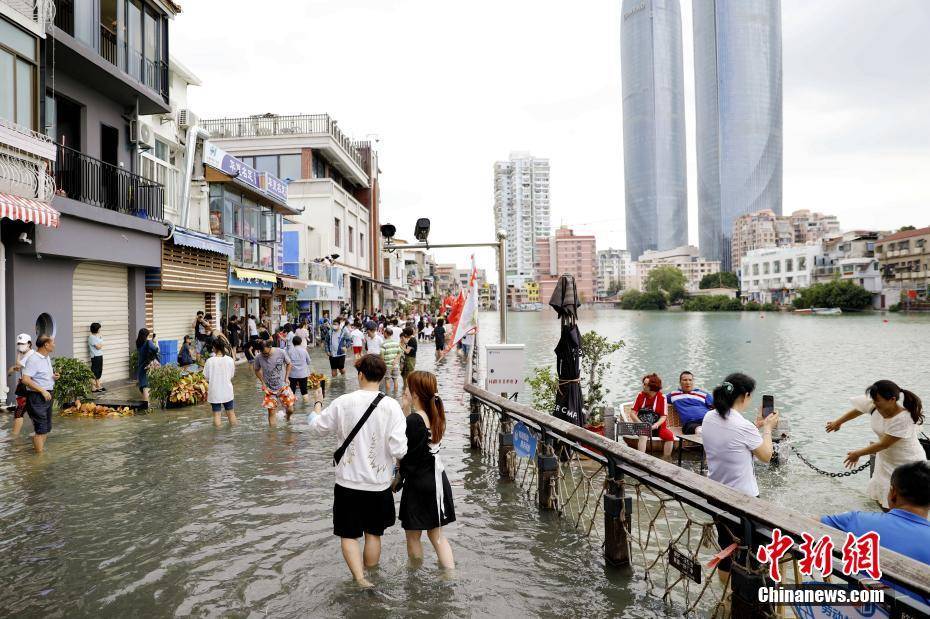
526, 294
738, 98
566, 252
615, 272
464, 276
332, 181
686, 259
904, 259
94, 85
811, 227
521, 208
27, 157
654, 168
445, 279
851, 257
418, 282
758, 230
487, 296
394, 291
776, 274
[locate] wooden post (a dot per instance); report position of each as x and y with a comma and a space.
610, 423
474, 424
617, 521
504, 448
547, 466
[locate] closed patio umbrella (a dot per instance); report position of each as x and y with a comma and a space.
568, 397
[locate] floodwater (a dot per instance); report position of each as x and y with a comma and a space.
164, 515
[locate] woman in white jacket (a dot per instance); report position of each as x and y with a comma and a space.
362, 499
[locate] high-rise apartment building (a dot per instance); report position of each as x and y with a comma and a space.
653, 126
521, 208
615, 272
764, 228
566, 252
738, 96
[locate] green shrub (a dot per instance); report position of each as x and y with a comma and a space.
74, 380
752, 306
161, 382
769, 307
840, 293
895, 307
544, 383
636, 300
134, 363
724, 279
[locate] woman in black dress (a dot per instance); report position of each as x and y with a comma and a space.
426, 503
439, 336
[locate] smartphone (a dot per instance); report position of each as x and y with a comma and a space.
768, 405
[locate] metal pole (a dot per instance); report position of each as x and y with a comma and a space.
502, 282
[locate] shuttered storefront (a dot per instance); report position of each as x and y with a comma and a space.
174, 313
100, 293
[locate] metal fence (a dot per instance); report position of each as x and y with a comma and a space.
657, 519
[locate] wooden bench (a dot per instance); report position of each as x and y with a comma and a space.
673, 423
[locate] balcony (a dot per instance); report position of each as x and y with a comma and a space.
25, 162
317, 131
36, 15
91, 50
101, 184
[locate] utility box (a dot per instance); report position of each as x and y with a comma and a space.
506, 365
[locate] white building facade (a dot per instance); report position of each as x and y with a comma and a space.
776, 274
686, 259
615, 270
521, 208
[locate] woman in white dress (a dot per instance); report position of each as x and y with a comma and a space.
895, 414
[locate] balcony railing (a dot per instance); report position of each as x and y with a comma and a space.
25, 162
272, 124
42, 12
101, 184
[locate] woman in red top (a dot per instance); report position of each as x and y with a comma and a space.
651, 403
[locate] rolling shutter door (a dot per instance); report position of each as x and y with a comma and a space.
100, 293
173, 313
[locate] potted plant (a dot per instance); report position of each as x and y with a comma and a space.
162, 380
74, 381
189, 390
595, 349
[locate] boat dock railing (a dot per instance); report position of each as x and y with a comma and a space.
657, 520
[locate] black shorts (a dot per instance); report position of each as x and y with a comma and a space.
298, 384
96, 366
40, 412
361, 511
337, 363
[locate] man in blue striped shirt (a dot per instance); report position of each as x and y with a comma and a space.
691, 403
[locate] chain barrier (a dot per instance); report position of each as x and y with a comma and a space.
800, 456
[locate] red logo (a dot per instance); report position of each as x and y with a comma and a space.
771, 553
860, 554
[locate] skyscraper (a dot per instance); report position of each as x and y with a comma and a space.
521, 208
738, 95
653, 126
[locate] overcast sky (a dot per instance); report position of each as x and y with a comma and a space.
450, 88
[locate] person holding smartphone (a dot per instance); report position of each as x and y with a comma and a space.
731, 442
148, 352
650, 407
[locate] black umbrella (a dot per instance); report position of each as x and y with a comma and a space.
568, 398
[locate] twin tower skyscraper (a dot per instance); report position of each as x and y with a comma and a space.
738, 100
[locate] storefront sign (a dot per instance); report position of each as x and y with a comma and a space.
218, 158
274, 186
505, 363
524, 441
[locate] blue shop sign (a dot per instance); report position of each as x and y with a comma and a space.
524, 441
216, 157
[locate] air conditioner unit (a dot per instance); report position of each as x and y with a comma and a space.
186, 119
142, 135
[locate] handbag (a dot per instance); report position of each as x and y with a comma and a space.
337, 455
647, 415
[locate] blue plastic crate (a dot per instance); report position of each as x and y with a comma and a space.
167, 351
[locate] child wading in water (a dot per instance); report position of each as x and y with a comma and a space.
426, 503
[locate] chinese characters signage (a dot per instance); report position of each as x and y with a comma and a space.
216, 157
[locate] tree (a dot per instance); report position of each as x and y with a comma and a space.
724, 279
636, 300
843, 294
595, 349
906, 228
668, 280
614, 287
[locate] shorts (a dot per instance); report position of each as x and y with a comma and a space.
440, 345
337, 363
217, 406
362, 511
198, 345
40, 412
410, 364
96, 366
664, 433
20, 407
299, 384
284, 397
393, 372
357, 350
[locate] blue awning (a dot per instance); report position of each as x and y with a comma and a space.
206, 242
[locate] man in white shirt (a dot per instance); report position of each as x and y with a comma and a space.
363, 502
373, 341
39, 378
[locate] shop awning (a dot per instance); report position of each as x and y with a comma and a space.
262, 276
206, 242
28, 210
293, 283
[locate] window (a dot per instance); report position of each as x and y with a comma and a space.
289, 167
361, 244
337, 232
351, 239
267, 163
789, 265
802, 263
765, 268
18, 86
755, 269
319, 168
247, 224
776, 266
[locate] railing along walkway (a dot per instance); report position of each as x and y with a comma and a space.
651, 516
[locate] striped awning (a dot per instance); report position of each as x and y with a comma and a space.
262, 276
28, 210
